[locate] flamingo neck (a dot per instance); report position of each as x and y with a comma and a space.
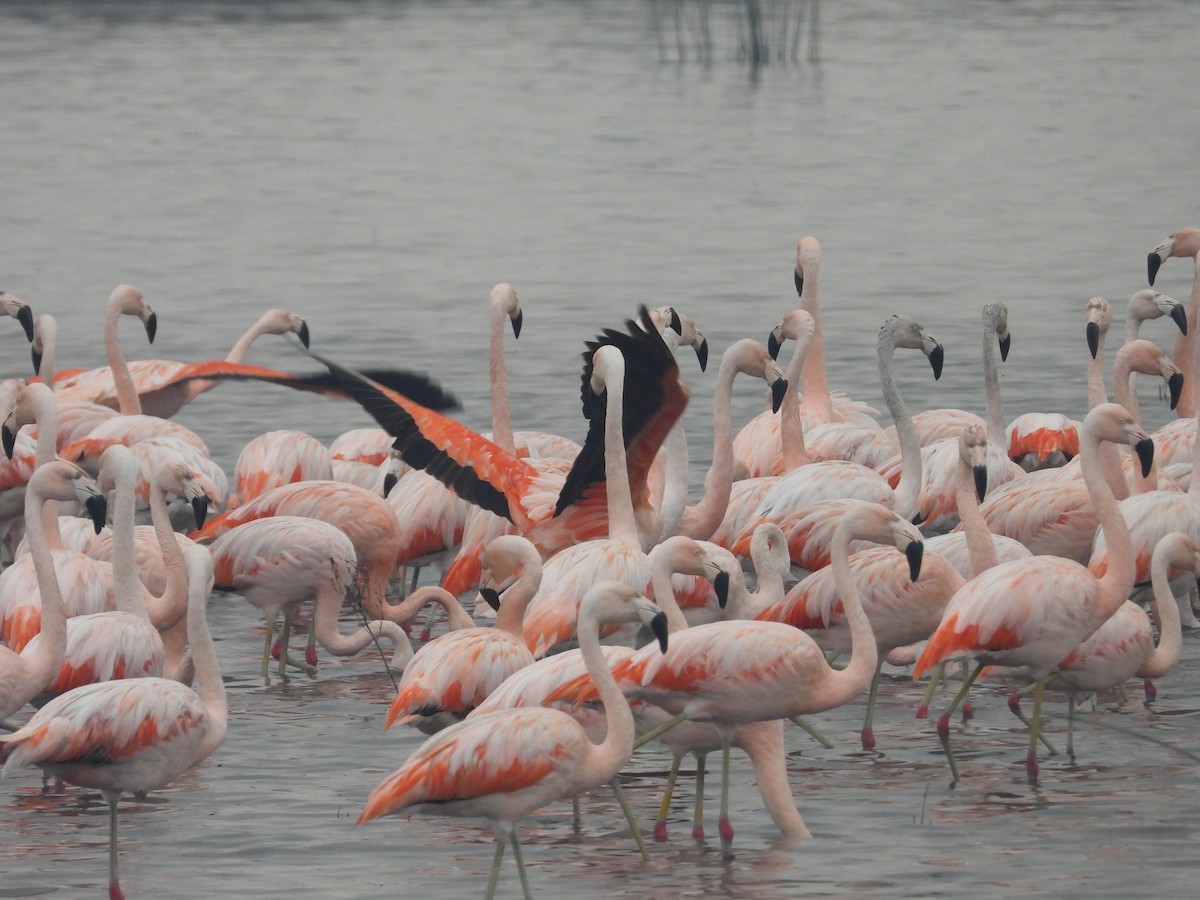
769, 583
817, 401
791, 419
44, 409
701, 520
242, 346
1165, 655
516, 599
763, 743
661, 570
168, 609
1097, 392
622, 525
602, 761
909, 487
502, 427
991, 386
981, 549
1117, 581
128, 402
328, 604
1187, 347
128, 593
209, 685
44, 659
864, 654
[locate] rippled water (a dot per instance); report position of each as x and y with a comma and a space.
378, 166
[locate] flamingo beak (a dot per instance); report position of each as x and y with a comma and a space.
659, 626
980, 473
517, 321
1175, 384
721, 586
303, 333
778, 389
151, 326
1093, 338
702, 353
1145, 452
1153, 261
25, 317
773, 345
97, 509
36, 355
935, 360
799, 282
675, 323
9, 439
1005, 344
1179, 314
200, 509
915, 551
491, 597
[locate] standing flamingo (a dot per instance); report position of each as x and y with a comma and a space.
1033, 612
131, 736
25, 674
506, 764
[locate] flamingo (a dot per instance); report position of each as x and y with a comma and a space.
1033, 612
19, 310
357, 454
506, 764
131, 736
1124, 645
280, 562
735, 673
454, 673
25, 674
1185, 244
280, 457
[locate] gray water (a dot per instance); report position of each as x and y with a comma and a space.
377, 167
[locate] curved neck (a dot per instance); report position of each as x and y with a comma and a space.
701, 520
1170, 635
209, 685
769, 581
168, 609
763, 743
864, 655
981, 549
661, 571
242, 346
602, 761
328, 604
909, 487
1117, 581
127, 397
516, 599
502, 427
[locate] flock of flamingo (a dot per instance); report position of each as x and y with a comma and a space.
623, 613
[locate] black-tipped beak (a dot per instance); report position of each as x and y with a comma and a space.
97, 509
303, 333
778, 389
152, 327
702, 354
799, 276
1153, 261
773, 345
1093, 338
491, 597
1145, 452
200, 510
918, 518
1179, 314
721, 586
675, 323
1175, 384
659, 626
517, 321
389, 482
915, 551
980, 473
36, 356
1005, 346
935, 360
9, 438
25, 317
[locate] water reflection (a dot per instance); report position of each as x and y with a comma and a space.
762, 32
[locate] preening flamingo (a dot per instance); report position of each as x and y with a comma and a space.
281, 561
19, 310
506, 764
25, 674
131, 736
1033, 612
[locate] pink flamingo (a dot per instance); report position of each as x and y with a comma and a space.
1033, 612
506, 764
736, 673
281, 561
1185, 244
276, 458
25, 674
131, 736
